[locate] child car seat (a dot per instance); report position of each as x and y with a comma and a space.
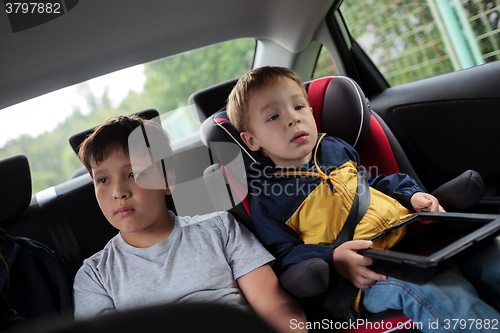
340, 109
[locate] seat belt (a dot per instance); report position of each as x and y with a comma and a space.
359, 208
338, 298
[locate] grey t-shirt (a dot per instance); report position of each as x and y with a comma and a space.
198, 262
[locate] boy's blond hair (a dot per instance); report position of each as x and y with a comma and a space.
251, 83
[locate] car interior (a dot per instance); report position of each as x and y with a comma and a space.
441, 130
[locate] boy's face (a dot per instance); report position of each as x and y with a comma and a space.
282, 124
133, 210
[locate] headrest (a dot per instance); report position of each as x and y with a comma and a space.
218, 128
209, 100
15, 196
76, 139
340, 109
339, 105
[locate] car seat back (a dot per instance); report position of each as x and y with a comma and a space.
15, 196
21, 215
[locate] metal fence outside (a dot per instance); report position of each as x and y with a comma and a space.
412, 40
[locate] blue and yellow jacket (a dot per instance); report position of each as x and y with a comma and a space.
297, 214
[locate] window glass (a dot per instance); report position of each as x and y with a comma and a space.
164, 85
412, 40
324, 64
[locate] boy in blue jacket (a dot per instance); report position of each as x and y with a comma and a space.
302, 192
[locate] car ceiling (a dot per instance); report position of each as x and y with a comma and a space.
98, 37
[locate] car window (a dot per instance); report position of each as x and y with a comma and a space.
164, 85
411, 40
324, 64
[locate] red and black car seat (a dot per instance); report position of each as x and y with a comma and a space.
340, 109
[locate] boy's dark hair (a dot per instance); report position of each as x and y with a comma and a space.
114, 134
250, 83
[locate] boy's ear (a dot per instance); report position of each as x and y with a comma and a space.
170, 181
250, 141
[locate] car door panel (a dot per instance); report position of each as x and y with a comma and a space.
449, 124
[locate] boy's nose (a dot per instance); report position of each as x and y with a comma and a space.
121, 196
121, 192
295, 119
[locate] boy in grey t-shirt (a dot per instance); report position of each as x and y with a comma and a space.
160, 258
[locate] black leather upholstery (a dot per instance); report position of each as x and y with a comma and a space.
15, 196
461, 192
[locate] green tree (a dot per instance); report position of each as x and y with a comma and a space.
172, 80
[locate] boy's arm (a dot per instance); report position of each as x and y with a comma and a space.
404, 189
91, 298
398, 186
270, 302
284, 243
250, 264
344, 261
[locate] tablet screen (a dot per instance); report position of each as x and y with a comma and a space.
427, 235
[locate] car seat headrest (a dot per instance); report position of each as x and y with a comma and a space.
340, 109
212, 99
76, 139
218, 128
16, 186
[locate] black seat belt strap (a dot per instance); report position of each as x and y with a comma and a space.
341, 296
359, 208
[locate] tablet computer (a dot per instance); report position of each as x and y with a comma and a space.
429, 240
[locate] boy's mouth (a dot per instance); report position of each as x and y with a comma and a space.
124, 211
300, 137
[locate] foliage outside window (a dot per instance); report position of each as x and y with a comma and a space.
410, 40
324, 64
169, 83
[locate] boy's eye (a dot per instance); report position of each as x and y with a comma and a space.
299, 107
273, 117
135, 174
103, 180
